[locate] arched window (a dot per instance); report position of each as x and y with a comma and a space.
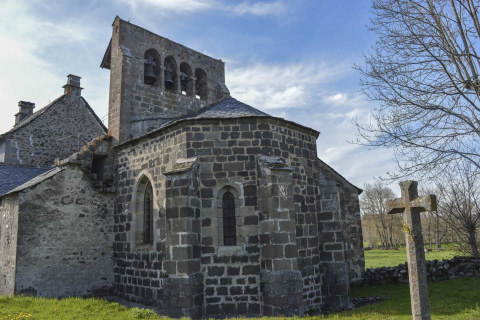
170, 73
151, 68
201, 89
144, 221
148, 215
186, 82
229, 225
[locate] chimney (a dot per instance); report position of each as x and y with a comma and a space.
73, 85
25, 110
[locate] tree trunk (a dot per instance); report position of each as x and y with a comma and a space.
472, 241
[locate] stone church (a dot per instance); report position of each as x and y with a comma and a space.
191, 201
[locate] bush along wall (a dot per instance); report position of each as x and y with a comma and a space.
457, 267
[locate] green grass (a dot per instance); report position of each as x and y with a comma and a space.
68, 309
453, 299
390, 258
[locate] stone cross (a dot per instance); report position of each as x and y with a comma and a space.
411, 205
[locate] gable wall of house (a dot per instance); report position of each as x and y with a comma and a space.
60, 131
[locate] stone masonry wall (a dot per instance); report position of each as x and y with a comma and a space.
65, 237
226, 153
183, 291
137, 108
139, 271
335, 272
352, 226
61, 130
8, 243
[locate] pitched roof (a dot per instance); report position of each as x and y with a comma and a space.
36, 180
12, 176
47, 107
227, 108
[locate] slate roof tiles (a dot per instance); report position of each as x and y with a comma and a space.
12, 176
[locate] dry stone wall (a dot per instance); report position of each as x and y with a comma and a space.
457, 267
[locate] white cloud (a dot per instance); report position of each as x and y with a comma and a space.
345, 99
190, 6
281, 86
175, 6
260, 8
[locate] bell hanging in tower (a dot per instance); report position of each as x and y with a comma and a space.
169, 84
150, 77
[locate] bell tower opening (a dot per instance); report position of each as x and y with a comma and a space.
170, 70
151, 67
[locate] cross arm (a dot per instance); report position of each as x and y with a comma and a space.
395, 206
425, 203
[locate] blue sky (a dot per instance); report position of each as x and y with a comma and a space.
291, 59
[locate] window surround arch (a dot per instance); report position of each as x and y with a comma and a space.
137, 232
237, 193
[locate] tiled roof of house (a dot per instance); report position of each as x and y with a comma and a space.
36, 180
12, 176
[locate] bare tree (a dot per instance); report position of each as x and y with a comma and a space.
435, 228
373, 205
459, 200
423, 71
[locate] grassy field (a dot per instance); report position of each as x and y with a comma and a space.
390, 258
454, 299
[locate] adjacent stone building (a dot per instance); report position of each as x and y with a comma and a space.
195, 203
